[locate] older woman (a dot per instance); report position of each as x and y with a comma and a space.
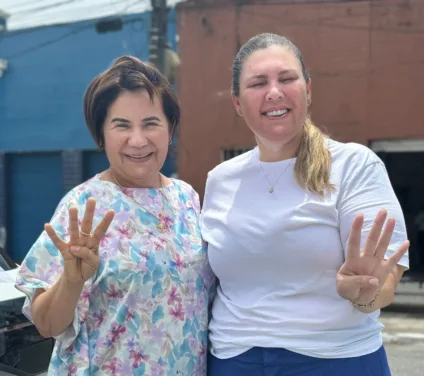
131, 296
296, 215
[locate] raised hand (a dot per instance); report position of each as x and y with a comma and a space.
363, 274
81, 254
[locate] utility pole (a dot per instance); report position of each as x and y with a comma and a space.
158, 34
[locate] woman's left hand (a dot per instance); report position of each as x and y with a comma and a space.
363, 274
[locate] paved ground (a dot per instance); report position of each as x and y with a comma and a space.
404, 342
406, 359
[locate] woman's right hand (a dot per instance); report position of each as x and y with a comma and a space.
81, 254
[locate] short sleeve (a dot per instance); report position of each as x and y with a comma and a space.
43, 265
206, 205
213, 281
210, 279
367, 191
196, 202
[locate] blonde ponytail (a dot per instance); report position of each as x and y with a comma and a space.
313, 164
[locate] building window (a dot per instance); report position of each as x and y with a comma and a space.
227, 154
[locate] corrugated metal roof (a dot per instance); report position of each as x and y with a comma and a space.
25, 14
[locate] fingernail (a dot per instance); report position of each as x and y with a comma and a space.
75, 248
374, 282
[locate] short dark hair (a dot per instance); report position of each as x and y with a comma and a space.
127, 74
260, 42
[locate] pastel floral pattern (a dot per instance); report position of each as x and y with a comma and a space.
145, 312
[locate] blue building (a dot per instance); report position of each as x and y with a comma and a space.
45, 147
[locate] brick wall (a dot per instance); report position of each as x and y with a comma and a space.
365, 58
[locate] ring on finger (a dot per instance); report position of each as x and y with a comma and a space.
84, 233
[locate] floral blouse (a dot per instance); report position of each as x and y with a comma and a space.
145, 312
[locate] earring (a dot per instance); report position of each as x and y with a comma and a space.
170, 143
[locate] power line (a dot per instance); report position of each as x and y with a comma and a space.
35, 11
16, 33
120, 13
49, 42
43, 8
58, 39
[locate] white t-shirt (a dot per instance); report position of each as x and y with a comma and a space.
277, 255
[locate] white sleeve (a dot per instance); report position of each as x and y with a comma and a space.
366, 192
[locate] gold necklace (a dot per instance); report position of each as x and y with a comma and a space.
271, 189
160, 226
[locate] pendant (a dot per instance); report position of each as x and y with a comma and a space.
161, 227
271, 190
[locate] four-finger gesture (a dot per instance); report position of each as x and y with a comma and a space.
81, 254
363, 274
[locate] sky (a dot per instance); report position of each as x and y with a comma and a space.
24, 14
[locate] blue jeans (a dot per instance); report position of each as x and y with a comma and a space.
280, 362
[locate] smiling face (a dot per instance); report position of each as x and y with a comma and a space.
137, 136
274, 99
